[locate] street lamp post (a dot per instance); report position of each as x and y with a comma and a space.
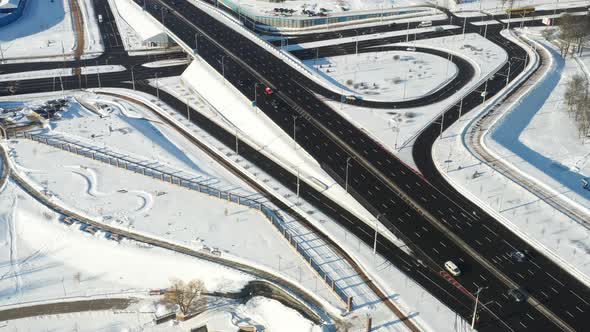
356, 52
223, 68
479, 289
255, 94
376, 232
98, 74
132, 77
294, 131
157, 87
346, 174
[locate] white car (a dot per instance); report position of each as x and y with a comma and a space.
452, 268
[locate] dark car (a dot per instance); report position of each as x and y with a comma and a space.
518, 256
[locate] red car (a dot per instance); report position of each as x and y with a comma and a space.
268, 91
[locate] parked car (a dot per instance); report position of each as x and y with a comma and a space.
268, 91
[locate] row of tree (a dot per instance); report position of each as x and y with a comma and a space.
578, 101
574, 32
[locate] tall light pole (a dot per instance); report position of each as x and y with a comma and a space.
237, 141
255, 96
442, 122
376, 232
346, 174
223, 68
294, 131
479, 289
188, 109
356, 52
157, 87
298, 182
98, 74
132, 77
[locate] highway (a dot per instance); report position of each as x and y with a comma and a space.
435, 226
404, 201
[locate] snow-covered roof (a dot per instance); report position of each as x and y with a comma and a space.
9, 4
138, 20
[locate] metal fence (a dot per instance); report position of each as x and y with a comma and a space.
270, 213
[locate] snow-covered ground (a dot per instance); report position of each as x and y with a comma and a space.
539, 139
49, 261
224, 315
387, 76
46, 30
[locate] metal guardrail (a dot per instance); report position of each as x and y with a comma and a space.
268, 212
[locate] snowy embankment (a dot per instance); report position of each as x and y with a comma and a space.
548, 230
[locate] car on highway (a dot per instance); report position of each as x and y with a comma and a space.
411, 49
516, 295
352, 98
452, 268
268, 91
518, 256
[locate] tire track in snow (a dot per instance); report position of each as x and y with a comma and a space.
146, 199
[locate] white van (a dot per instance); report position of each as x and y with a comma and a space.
425, 24
452, 268
99, 18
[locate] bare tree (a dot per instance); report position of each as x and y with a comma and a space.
184, 294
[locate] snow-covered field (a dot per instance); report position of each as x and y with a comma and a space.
46, 30
539, 139
387, 76
49, 261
